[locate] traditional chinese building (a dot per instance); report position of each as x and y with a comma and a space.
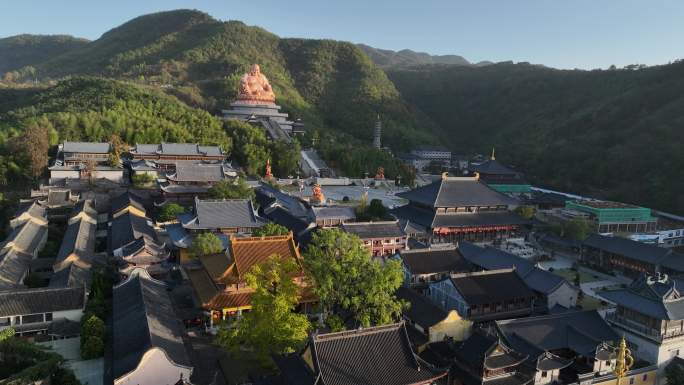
84, 160
147, 337
485, 359
423, 266
484, 296
460, 208
383, 238
567, 347
501, 178
28, 234
218, 280
190, 180
132, 240
222, 216
375, 355
629, 257
76, 256
650, 314
255, 104
550, 289
41, 311
168, 155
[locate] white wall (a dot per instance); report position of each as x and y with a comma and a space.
154, 368
565, 295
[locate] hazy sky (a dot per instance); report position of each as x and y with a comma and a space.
563, 34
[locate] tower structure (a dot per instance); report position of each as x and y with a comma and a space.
377, 133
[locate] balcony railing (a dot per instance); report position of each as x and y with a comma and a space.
652, 333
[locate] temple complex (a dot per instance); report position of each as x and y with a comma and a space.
255, 103
460, 208
218, 280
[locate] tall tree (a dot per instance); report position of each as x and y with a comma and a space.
272, 326
36, 145
346, 277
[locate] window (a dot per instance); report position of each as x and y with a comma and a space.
644, 377
48, 317
631, 381
4, 321
32, 318
544, 373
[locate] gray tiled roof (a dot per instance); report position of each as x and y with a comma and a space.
421, 310
13, 267
378, 355
457, 192
126, 199
33, 209
143, 318
72, 276
227, 213
334, 212
127, 228
41, 300
86, 147
491, 286
436, 260
491, 258
365, 230
579, 331
198, 173
58, 197
632, 249
27, 237
492, 167
657, 299
79, 239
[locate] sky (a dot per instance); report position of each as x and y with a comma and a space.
569, 34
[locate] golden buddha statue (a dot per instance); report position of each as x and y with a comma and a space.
255, 88
380, 174
317, 196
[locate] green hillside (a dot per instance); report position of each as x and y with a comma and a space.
329, 84
29, 50
615, 134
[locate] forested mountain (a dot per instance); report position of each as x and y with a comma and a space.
407, 58
28, 50
616, 133
199, 59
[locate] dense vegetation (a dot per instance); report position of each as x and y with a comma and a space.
614, 134
28, 50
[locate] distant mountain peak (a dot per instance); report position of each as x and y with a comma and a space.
406, 58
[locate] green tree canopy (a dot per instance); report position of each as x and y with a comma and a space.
237, 189
272, 326
205, 244
271, 229
347, 278
170, 211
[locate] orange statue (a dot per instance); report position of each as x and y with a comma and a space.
317, 196
255, 88
380, 175
268, 174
